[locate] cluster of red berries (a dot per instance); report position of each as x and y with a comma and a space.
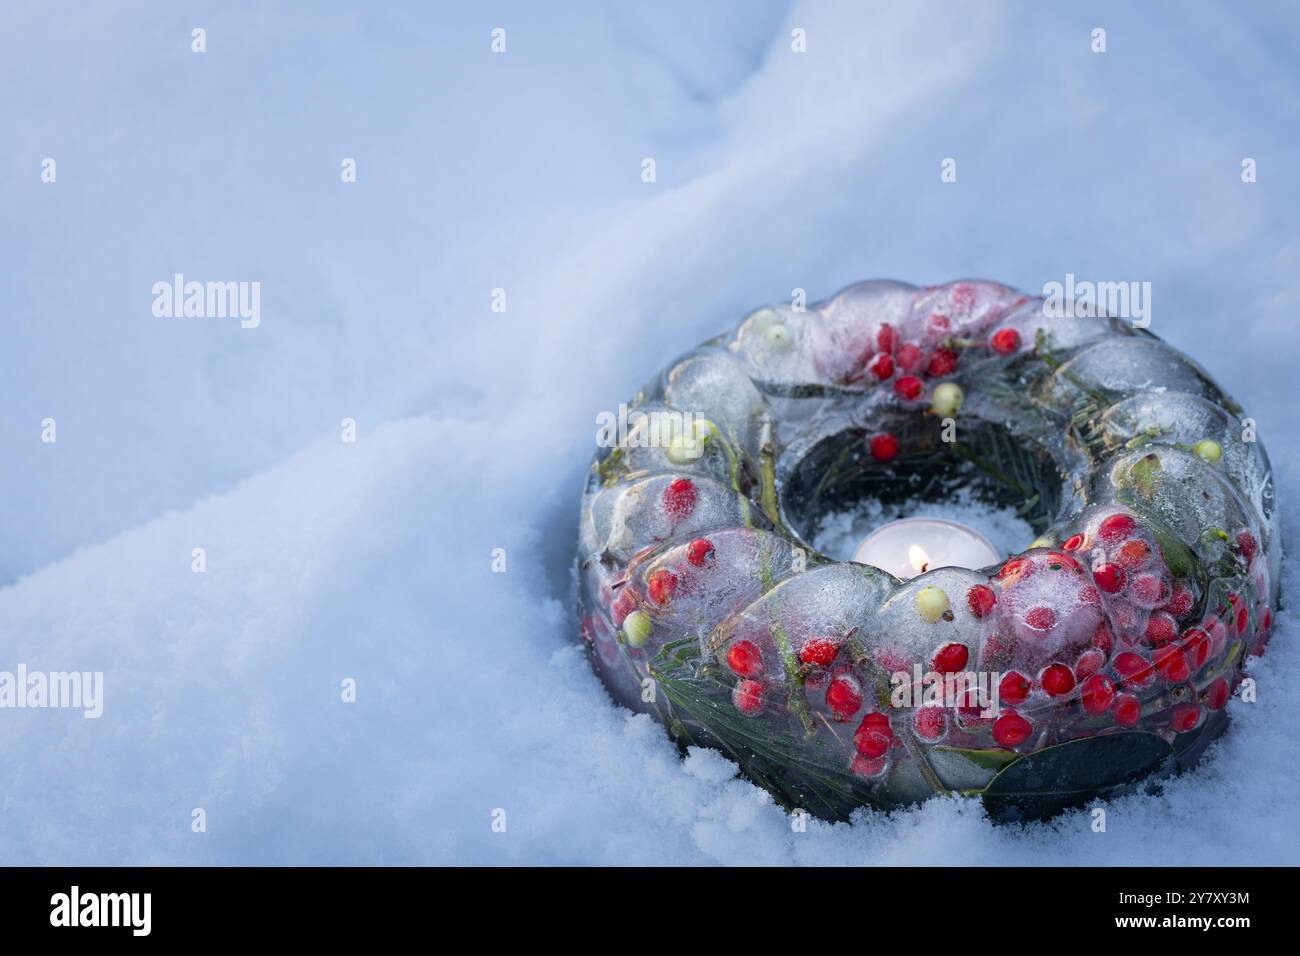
1142, 600
679, 499
1141, 635
1137, 661
839, 686
871, 741
1146, 606
1044, 595
662, 584
909, 364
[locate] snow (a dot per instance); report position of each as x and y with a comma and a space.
372, 560
841, 532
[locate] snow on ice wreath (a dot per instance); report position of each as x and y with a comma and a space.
1097, 660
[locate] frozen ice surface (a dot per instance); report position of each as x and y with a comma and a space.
849, 329
1172, 418
373, 560
1122, 366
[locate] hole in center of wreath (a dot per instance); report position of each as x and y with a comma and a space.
1007, 490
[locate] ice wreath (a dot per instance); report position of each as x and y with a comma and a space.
1117, 638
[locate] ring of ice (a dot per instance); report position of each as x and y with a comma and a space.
1121, 632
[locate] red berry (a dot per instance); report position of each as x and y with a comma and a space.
623, 605
1040, 618
1116, 527
873, 736
1096, 694
864, 767
1246, 545
660, 585
1134, 670
1073, 543
942, 362
745, 659
1243, 619
1196, 645
997, 646
909, 357
1185, 717
699, 551
1147, 590
1056, 679
1161, 629
1089, 662
886, 338
1017, 569
892, 661
878, 720
1011, 730
1216, 695
1126, 619
1088, 594
748, 697
1133, 553
930, 723
1180, 602
882, 366
950, 658
844, 696
1128, 710
1171, 663
1109, 577
1103, 639
1005, 341
1057, 561
937, 325
909, 387
970, 710
883, 447
679, 498
1014, 687
1265, 621
819, 650
981, 599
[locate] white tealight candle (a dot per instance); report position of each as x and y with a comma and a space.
910, 546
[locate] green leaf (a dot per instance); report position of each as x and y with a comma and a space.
985, 759
962, 770
1146, 473
1042, 784
1179, 557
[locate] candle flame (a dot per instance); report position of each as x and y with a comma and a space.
920, 560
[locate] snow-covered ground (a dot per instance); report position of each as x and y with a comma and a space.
371, 560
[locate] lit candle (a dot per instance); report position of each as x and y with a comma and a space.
910, 546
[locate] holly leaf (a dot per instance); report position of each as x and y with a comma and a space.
1146, 473
1178, 556
962, 769
985, 759
1042, 784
